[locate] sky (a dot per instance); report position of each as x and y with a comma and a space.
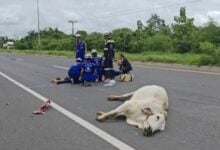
18, 17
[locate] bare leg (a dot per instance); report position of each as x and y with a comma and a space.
123, 97
120, 110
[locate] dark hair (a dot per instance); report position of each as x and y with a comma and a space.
122, 56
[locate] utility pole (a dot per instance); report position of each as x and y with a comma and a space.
72, 22
38, 25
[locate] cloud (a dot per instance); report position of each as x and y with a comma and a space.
18, 17
213, 13
11, 15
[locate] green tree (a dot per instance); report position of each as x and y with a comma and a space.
155, 24
123, 38
184, 32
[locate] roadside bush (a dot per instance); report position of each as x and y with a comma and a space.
206, 60
183, 46
207, 48
159, 42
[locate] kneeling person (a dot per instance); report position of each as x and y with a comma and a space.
124, 69
73, 74
88, 71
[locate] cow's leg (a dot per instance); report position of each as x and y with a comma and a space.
120, 110
123, 97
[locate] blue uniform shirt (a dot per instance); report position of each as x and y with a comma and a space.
88, 72
97, 61
80, 49
75, 70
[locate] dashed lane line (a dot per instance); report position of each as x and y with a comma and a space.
161, 68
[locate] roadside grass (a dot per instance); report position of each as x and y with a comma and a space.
188, 58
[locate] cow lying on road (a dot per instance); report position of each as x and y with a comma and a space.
145, 108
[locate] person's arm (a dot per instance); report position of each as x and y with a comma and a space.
82, 71
85, 46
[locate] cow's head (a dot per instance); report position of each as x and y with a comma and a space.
153, 122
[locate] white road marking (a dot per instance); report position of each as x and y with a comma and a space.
161, 68
61, 67
179, 70
102, 134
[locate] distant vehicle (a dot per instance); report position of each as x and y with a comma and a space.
9, 45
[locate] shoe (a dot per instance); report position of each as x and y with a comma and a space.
72, 81
111, 83
107, 84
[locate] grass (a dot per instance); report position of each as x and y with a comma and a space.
189, 59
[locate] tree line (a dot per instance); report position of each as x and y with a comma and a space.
154, 35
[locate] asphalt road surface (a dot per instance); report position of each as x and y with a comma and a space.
193, 118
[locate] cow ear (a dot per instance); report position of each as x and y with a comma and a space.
147, 111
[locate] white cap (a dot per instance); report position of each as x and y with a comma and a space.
94, 51
79, 59
78, 35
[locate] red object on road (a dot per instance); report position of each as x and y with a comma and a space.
43, 108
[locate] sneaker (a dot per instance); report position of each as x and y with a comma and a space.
111, 83
71, 81
107, 84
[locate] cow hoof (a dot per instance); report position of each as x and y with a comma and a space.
111, 98
100, 116
52, 81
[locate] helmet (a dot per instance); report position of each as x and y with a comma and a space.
107, 33
78, 60
78, 35
94, 51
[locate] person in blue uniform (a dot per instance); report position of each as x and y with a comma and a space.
74, 73
80, 47
88, 71
109, 55
97, 60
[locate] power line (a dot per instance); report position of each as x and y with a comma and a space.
135, 11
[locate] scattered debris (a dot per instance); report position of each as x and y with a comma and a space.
42, 109
16, 59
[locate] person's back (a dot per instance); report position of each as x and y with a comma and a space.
75, 69
97, 61
88, 70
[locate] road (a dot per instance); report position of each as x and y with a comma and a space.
193, 118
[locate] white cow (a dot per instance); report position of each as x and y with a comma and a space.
145, 108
